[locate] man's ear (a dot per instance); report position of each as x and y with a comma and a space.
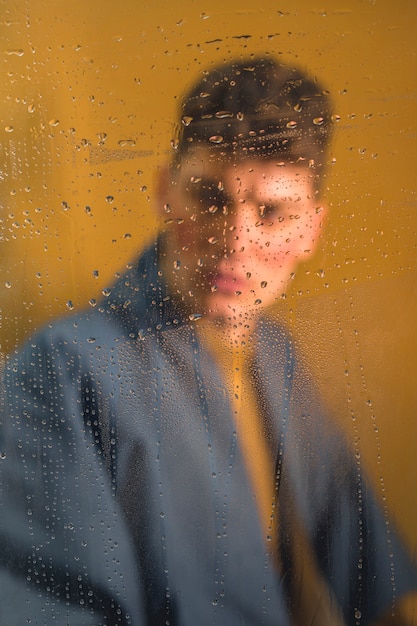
314, 230
164, 190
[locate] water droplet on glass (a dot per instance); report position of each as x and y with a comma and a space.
212, 240
186, 120
9, 129
318, 121
53, 122
216, 139
70, 305
195, 316
106, 292
130, 143
263, 284
8, 284
222, 114
18, 53
291, 124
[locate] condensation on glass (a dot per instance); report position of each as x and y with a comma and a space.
208, 304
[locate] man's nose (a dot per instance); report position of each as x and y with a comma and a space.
241, 225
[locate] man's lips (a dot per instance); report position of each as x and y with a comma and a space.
227, 282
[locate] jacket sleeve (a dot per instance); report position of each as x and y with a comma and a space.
354, 543
65, 554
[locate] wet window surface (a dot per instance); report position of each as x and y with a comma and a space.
208, 297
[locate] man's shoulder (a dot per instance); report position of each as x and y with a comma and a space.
103, 321
69, 337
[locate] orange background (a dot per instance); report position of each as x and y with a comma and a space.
90, 95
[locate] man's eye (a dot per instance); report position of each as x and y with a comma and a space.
269, 210
212, 199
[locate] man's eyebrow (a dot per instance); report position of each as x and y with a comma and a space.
211, 184
206, 181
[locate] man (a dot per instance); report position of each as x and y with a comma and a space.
165, 458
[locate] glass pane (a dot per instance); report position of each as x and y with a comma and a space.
149, 436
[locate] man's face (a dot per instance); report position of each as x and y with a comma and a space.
237, 232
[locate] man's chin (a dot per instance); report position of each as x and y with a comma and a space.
231, 314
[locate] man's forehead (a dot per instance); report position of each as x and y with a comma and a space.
202, 163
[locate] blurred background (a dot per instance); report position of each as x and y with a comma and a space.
90, 92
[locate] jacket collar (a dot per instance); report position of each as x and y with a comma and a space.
140, 298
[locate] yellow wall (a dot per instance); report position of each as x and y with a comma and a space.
90, 94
